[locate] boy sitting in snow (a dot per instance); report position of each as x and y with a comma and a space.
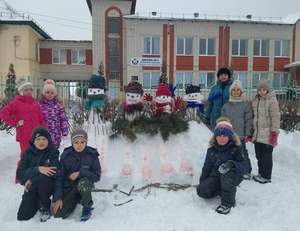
224, 166
79, 170
36, 172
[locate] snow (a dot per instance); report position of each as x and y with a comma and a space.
259, 207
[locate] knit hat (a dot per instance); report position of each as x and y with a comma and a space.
263, 84
134, 87
79, 132
192, 89
163, 89
40, 131
224, 70
49, 85
22, 85
223, 127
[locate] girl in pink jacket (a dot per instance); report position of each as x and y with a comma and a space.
53, 113
23, 113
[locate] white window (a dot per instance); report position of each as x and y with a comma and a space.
257, 77
150, 80
207, 46
184, 46
241, 76
240, 47
151, 45
282, 48
59, 56
183, 79
207, 79
78, 56
280, 80
261, 47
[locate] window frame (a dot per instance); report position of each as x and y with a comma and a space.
239, 47
281, 47
184, 46
282, 75
59, 56
206, 46
151, 49
78, 56
151, 73
261, 48
205, 86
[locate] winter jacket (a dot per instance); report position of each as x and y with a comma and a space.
23, 108
241, 117
218, 96
55, 119
266, 117
219, 154
32, 159
86, 162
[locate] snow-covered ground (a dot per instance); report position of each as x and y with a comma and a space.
259, 207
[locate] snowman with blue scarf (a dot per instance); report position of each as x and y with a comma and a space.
194, 104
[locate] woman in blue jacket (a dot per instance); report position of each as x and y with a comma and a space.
224, 166
218, 96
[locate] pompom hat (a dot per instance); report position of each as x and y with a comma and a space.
263, 84
49, 85
163, 89
79, 133
22, 85
134, 87
224, 128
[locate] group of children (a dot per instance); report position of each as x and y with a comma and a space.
39, 128
235, 121
70, 179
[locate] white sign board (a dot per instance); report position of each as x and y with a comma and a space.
145, 61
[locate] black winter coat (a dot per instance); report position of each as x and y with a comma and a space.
32, 159
217, 155
86, 162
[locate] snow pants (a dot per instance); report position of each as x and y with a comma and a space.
223, 185
264, 156
38, 196
81, 192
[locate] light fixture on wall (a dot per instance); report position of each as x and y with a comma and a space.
154, 13
196, 15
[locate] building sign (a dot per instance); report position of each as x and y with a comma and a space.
145, 61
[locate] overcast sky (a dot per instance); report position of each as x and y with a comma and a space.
70, 19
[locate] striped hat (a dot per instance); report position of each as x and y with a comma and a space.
22, 85
79, 133
224, 128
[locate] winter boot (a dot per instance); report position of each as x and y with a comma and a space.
223, 209
260, 179
86, 213
44, 214
247, 176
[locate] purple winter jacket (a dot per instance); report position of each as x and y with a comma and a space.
55, 119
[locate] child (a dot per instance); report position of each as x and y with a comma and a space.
79, 170
266, 125
36, 172
239, 111
223, 168
53, 113
23, 113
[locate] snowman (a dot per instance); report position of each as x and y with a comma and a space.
193, 99
163, 99
96, 91
133, 100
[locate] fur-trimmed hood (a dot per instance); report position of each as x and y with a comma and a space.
235, 138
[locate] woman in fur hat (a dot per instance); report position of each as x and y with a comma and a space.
266, 125
23, 113
224, 166
53, 113
241, 119
218, 96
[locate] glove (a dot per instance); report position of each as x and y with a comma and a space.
178, 102
247, 139
226, 167
273, 138
148, 97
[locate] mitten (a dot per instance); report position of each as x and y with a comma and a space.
226, 167
273, 138
148, 97
178, 102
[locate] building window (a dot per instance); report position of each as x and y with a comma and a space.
207, 46
241, 76
134, 78
37, 52
151, 80
183, 79
184, 46
257, 77
59, 56
207, 79
240, 47
114, 58
114, 25
282, 48
280, 80
261, 47
78, 56
151, 45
